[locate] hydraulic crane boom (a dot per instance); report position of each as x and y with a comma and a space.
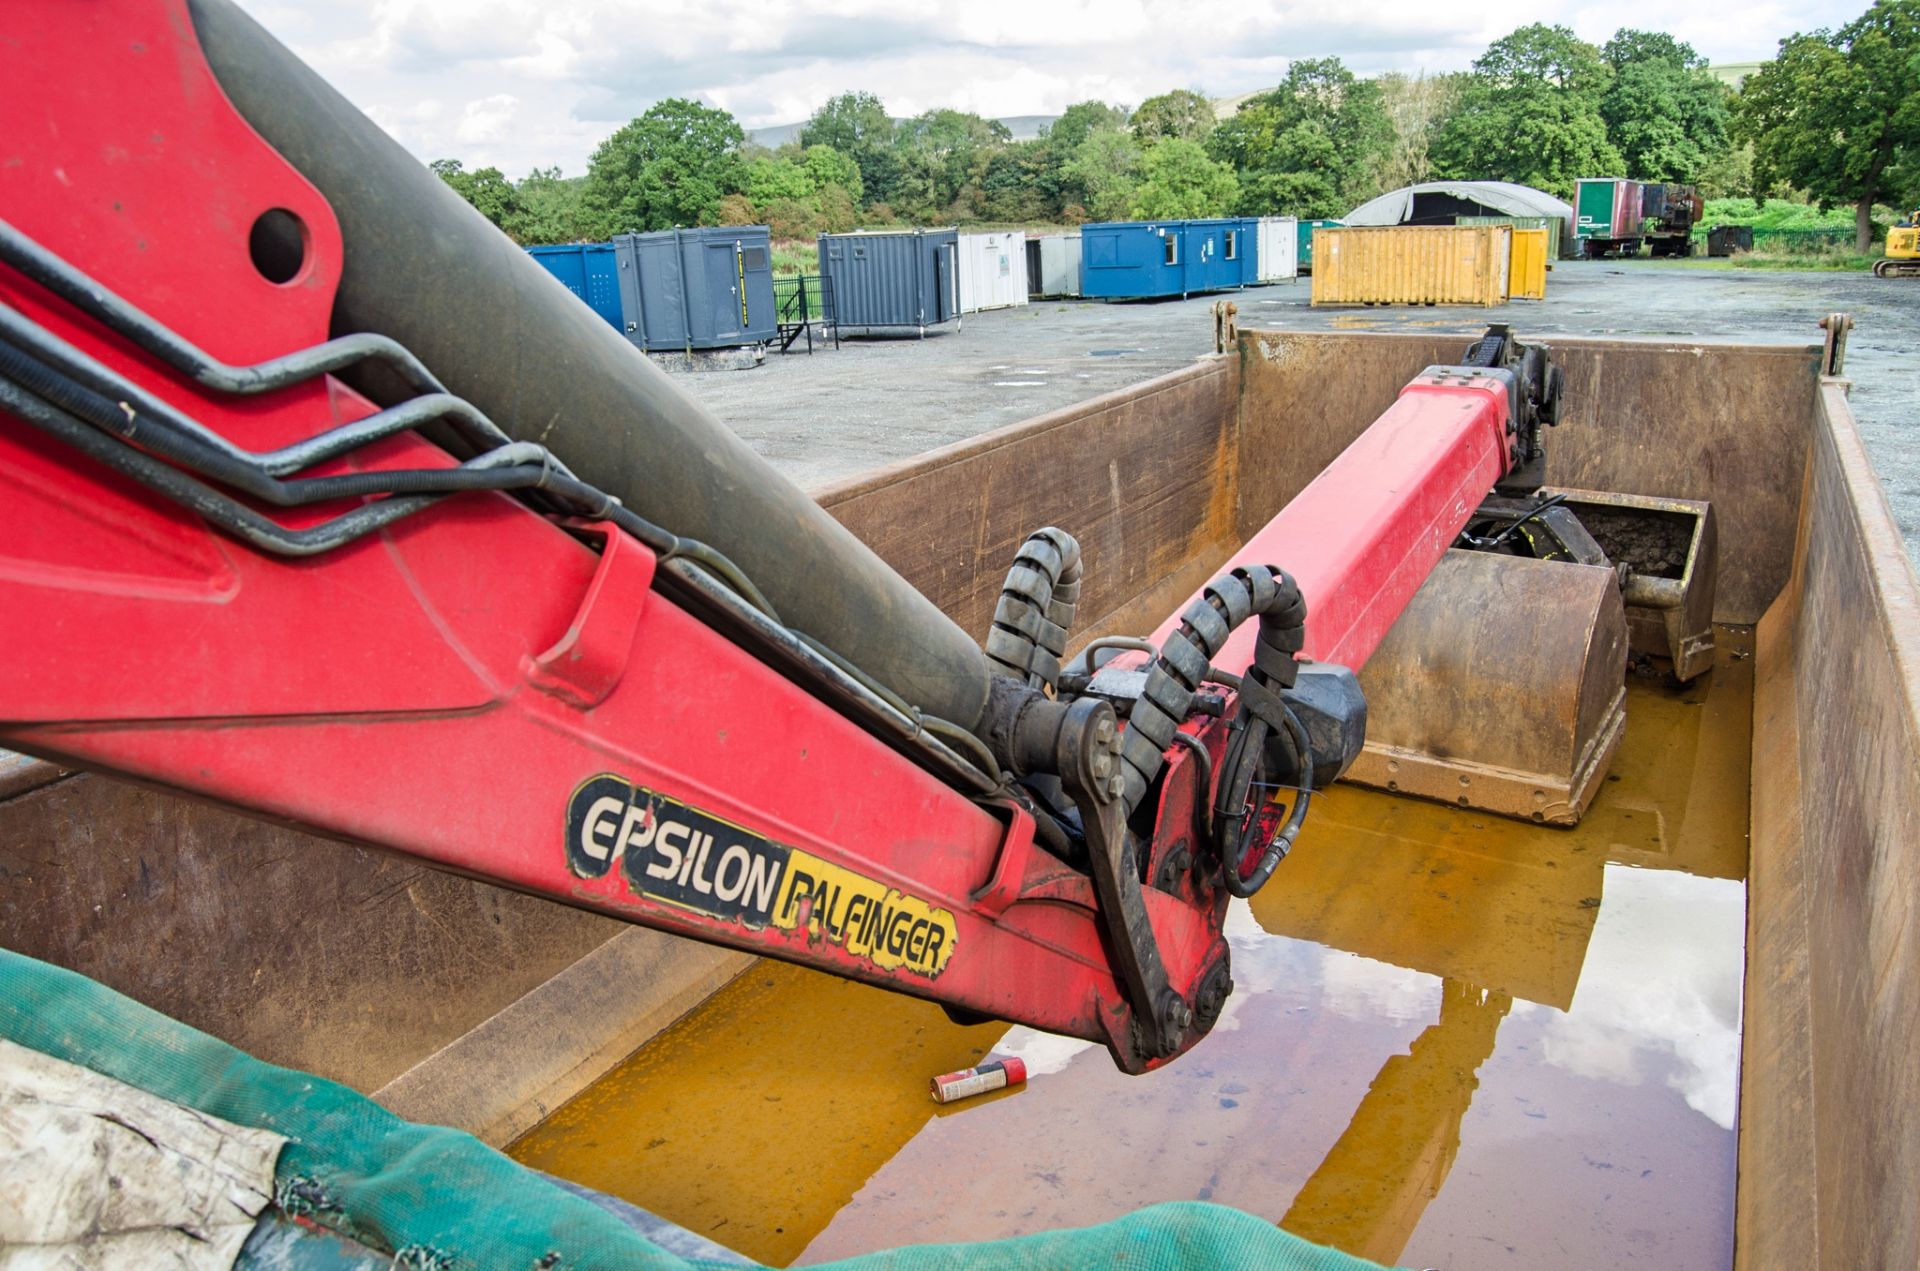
395, 618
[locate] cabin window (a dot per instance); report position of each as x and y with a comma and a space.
1172, 249
1233, 244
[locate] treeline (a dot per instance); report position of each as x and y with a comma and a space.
1835, 118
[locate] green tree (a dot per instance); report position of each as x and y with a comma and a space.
858, 126
941, 154
839, 211
669, 167
1080, 121
1541, 54
552, 209
1837, 113
1182, 113
1103, 174
1665, 112
1299, 179
769, 177
1729, 174
1311, 147
487, 189
1530, 113
1021, 182
826, 166
1417, 106
1180, 182
798, 193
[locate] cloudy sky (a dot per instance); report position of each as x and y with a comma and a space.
526, 83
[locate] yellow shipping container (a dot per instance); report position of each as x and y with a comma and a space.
1527, 266
1412, 265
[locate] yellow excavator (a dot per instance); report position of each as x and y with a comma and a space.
1903, 250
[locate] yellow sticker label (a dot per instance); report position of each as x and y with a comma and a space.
888, 928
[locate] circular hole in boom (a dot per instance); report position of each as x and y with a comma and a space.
278, 245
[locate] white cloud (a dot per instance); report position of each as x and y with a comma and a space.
1660, 989
577, 69
486, 119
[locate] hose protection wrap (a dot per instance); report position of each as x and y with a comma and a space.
1035, 611
1183, 663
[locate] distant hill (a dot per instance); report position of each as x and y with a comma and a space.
1733, 74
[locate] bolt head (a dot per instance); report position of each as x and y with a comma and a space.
1102, 765
1103, 729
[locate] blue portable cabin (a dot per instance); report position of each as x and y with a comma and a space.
679, 289
588, 271
1132, 260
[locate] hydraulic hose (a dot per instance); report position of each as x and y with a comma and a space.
1264, 712
514, 466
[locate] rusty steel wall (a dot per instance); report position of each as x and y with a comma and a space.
1830, 1091
303, 951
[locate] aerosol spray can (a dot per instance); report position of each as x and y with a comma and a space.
950, 1087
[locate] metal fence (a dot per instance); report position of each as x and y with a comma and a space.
1795, 241
801, 302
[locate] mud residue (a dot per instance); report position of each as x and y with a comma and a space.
1651, 543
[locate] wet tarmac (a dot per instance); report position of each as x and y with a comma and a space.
874, 401
1457, 1041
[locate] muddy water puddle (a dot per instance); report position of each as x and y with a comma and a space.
1456, 1041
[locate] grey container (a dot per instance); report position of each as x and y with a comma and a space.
707, 288
902, 280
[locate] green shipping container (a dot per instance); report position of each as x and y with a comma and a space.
1557, 240
1306, 229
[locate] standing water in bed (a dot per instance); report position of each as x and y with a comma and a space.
1456, 1040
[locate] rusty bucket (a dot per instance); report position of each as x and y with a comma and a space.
1502, 687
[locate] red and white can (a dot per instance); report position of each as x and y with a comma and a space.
950, 1087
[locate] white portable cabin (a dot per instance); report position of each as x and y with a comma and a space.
993, 270
1279, 248
1059, 265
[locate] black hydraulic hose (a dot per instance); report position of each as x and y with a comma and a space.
1202, 784
1233, 845
518, 465
249, 526
1506, 532
515, 466
136, 325
236, 518
1283, 631
72, 397
411, 414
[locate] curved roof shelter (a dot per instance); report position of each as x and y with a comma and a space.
1439, 202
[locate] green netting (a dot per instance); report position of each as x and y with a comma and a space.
442, 1199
